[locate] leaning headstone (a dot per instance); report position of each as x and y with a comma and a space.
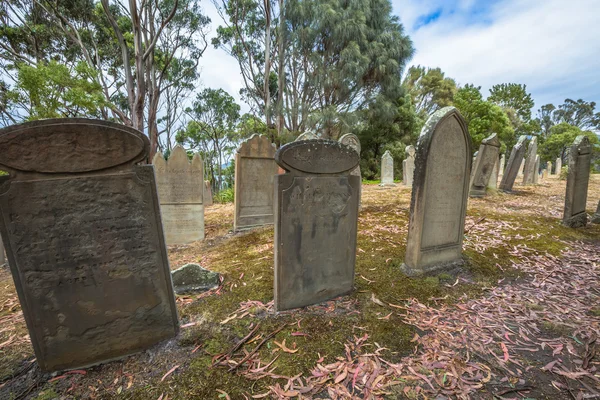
439, 194
192, 278
486, 160
577, 183
316, 222
180, 192
596, 216
387, 169
493, 182
529, 171
350, 139
513, 165
536, 171
255, 171
207, 194
522, 168
84, 238
408, 164
558, 166
501, 167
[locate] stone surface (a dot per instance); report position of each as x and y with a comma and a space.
596, 216
558, 166
439, 194
501, 167
2, 253
316, 222
193, 278
85, 241
513, 165
387, 169
522, 167
544, 174
548, 168
577, 183
493, 182
536, 170
350, 139
308, 135
180, 192
487, 157
255, 171
529, 171
408, 166
207, 197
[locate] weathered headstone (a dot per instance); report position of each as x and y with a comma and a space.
558, 166
316, 222
577, 183
192, 278
439, 194
596, 216
408, 165
536, 170
255, 171
350, 139
529, 171
544, 174
501, 167
180, 192
486, 160
82, 229
548, 168
522, 168
207, 194
308, 135
513, 165
387, 169
493, 182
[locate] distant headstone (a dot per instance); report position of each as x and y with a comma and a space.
192, 278
529, 171
308, 135
387, 169
82, 227
207, 194
439, 194
536, 170
558, 166
596, 216
493, 182
255, 171
180, 192
350, 139
501, 167
513, 165
316, 222
486, 160
544, 174
577, 183
408, 164
548, 168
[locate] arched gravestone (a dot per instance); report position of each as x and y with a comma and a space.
387, 169
255, 169
316, 215
350, 139
81, 225
513, 165
207, 197
577, 183
180, 192
408, 165
439, 194
487, 157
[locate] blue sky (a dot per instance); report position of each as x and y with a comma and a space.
552, 46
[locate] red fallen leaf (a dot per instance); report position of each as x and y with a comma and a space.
299, 334
342, 376
549, 366
505, 350
284, 348
57, 378
76, 371
169, 373
387, 317
188, 325
196, 348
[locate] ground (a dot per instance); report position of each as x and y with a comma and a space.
519, 320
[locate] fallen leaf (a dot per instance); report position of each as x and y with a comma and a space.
284, 348
169, 373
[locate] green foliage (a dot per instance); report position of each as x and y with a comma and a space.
483, 117
578, 113
225, 196
513, 96
560, 139
429, 89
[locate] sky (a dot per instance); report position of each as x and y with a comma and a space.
552, 46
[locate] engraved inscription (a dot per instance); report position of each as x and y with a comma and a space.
185, 222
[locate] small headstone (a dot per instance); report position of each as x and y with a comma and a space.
548, 168
558, 166
513, 165
207, 195
439, 194
596, 216
255, 171
387, 169
193, 278
82, 227
536, 171
544, 174
350, 139
577, 183
408, 165
501, 167
493, 182
316, 222
180, 192
486, 160
529, 171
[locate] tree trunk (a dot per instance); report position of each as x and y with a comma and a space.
267, 62
281, 70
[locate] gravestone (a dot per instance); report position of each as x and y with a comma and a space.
544, 174
2, 254
82, 229
558, 166
408, 166
207, 197
513, 165
529, 171
486, 160
493, 182
536, 171
350, 139
180, 192
308, 135
522, 168
501, 167
577, 183
548, 168
596, 216
439, 194
387, 169
315, 222
255, 171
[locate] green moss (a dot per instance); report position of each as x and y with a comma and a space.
48, 394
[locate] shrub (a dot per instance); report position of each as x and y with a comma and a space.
224, 196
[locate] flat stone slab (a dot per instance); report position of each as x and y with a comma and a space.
192, 278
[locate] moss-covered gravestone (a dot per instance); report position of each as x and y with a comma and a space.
439, 194
81, 224
515, 161
578, 179
316, 215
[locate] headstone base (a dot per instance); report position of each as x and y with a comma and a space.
576, 221
387, 184
429, 269
477, 193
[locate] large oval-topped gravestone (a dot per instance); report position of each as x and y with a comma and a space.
439, 195
86, 249
578, 179
316, 216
